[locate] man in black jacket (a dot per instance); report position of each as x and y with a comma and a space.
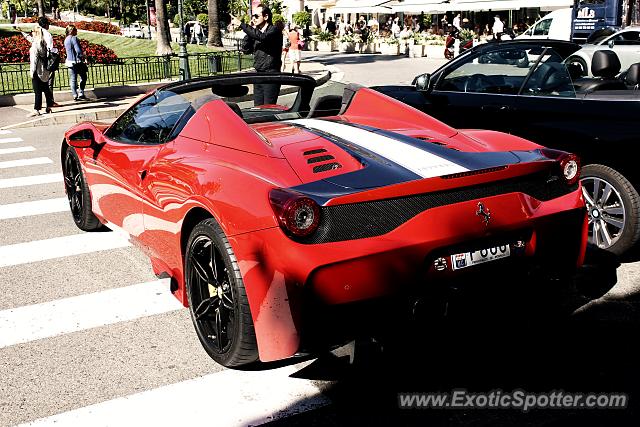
264, 40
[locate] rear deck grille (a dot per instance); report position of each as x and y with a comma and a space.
369, 219
326, 167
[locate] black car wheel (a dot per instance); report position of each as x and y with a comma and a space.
78, 193
580, 63
217, 298
613, 205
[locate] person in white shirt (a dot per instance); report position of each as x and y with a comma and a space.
43, 22
456, 22
498, 27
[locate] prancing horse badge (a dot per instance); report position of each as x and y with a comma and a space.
483, 213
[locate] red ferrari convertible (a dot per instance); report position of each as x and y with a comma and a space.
268, 217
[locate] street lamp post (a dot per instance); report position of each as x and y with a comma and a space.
185, 74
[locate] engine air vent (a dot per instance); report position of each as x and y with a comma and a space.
316, 151
326, 167
320, 159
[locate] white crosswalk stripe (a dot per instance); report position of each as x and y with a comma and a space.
8, 140
30, 180
17, 150
24, 324
248, 398
5, 132
25, 162
40, 250
36, 207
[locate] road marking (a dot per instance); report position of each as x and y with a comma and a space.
25, 162
244, 398
36, 207
8, 140
30, 180
58, 247
5, 132
16, 150
33, 322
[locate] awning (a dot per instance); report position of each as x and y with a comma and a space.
478, 5
417, 6
361, 6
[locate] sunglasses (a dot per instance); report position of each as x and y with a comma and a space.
255, 16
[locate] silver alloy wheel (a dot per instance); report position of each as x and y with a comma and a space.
606, 211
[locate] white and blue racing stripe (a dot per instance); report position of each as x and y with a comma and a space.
419, 161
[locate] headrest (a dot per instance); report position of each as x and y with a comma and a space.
633, 75
605, 63
236, 109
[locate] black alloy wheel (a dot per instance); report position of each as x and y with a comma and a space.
78, 193
217, 299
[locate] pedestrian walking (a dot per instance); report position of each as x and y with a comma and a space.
75, 63
295, 41
38, 72
265, 41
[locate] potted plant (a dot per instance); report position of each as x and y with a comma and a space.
416, 47
370, 45
389, 46
325, 41
347, 43
434, 46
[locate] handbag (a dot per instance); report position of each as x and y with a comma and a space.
53, 61
81, 67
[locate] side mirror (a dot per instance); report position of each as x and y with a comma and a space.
611, 43
81, 139
423, 82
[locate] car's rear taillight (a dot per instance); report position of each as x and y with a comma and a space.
297, 214
569, 164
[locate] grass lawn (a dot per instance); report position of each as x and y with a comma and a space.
122, 46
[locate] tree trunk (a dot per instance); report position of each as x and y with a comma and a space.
162, 29
214, 24
40, 7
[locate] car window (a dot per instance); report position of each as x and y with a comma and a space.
627, 38
542, 29
501, 71
151, 120
549, 77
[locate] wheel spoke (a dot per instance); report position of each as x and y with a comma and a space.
596, 233
218, 328
205, 306
613, 210
596, 189
605, 233
587, 197
214, 263
606, 193
201, 269
226, 301
613, 221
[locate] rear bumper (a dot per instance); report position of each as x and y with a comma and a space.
282, 276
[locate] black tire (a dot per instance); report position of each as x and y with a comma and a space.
78, 193
584, 68
622, 206
217, 298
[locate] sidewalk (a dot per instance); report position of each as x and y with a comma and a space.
102, 109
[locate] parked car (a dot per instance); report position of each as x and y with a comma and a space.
625, 43
524, 87
554, 25
134, 30
281, 229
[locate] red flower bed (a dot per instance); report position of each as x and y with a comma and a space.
16, 49
97, 26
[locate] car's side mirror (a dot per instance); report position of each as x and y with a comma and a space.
81, 139
423, 82
611, 43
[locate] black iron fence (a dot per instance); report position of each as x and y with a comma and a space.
15, 79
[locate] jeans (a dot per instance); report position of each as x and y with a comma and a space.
38, 87
266, 93
74, 72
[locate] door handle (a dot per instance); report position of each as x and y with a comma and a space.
495, 108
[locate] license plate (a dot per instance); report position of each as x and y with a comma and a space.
468, 259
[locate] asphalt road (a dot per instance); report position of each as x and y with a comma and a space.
131, 352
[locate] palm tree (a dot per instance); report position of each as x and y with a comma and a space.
214, 24
40, 7
162, 29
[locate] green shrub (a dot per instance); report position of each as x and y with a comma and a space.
302, 18
203, 19
278, 18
